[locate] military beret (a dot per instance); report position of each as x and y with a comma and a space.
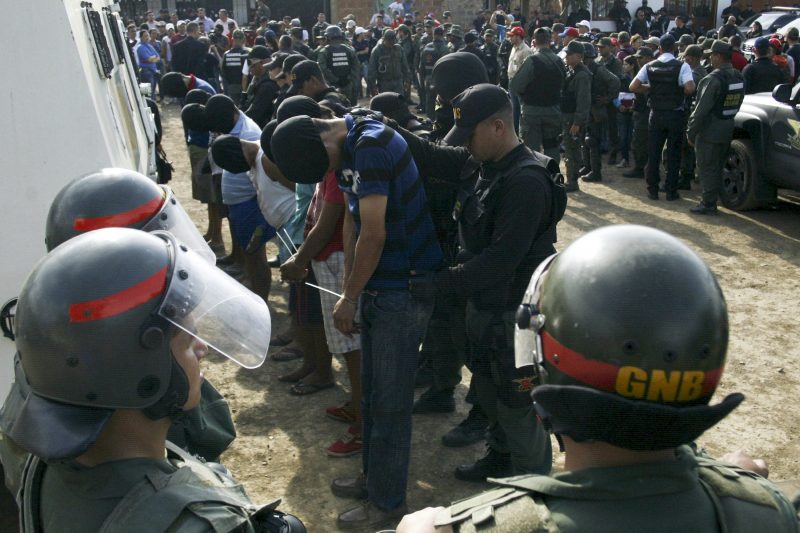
575, 47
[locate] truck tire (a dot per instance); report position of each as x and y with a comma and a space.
740, 177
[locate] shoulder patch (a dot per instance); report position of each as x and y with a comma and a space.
522, 512
732, 482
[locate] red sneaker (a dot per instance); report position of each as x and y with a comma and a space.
349, 444
341, 413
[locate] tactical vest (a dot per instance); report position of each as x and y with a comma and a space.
549, 73
232, 63
156, 502
569, 95
742, 501
665, 94
389, 62
339, 64
732, 94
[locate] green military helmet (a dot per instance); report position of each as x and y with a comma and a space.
334, 32
456, 31
119, 197
93, 328
626, 321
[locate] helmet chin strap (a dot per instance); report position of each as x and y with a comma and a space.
172, 402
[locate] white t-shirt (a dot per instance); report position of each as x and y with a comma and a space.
225, 23
276, 202
397, 6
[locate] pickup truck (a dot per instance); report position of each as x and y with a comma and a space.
765, 151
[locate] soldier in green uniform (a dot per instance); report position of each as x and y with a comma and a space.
692, 55
641, 115
606, 57
710, 127
421, 40
111, 328
538, 84
490, 50
339, 63
624, 398
605, 87
455, 38
433, 52
576, 103
388, 68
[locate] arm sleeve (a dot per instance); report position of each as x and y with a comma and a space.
706, 97
685, 75
583, 89
642, 75
434, 160
519, 83
523, 204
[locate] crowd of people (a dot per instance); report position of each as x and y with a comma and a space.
413, 246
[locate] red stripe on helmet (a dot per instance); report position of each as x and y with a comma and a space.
121, 301
591, 372
598, 374
120, 220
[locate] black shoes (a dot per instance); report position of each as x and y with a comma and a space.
612, 158
471, 430
571, 186
652, 193
354, 488
634, 173
672, 196
493, 464
704, 209
435, 401
592, 177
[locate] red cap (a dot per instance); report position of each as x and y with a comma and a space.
776, 43
518, 31
570, 32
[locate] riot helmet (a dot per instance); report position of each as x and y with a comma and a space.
117, 197
333, 32
627, 330
93, 328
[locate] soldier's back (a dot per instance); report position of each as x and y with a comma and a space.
654, 497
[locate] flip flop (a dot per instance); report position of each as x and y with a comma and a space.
304, 389
287, 354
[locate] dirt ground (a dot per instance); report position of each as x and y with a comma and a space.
756, 256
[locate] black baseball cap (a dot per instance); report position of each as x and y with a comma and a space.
220, 111
393, 105
193, 117
259, 52
297, 105
266, 138
302, 72
228, 155
289, 62
455, 72
299, 151
277, 61
472, 107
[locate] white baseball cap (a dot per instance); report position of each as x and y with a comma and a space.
584, 23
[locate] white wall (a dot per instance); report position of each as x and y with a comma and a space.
60, 120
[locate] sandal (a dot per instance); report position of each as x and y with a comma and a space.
304, 389
288, 353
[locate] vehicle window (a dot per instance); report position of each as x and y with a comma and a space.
793, 24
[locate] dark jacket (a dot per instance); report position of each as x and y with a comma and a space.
761, 76
189, 57
505, 233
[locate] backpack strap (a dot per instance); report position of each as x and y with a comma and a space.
29, 496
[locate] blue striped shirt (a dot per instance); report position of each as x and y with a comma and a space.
376, 160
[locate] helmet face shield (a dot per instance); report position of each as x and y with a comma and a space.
527, 340
173, 218
216, 309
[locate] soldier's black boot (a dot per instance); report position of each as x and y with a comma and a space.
471, 430
435, 401
592, 176
704, 209
493, 464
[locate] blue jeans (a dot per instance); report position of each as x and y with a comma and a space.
392, 326
625, 128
